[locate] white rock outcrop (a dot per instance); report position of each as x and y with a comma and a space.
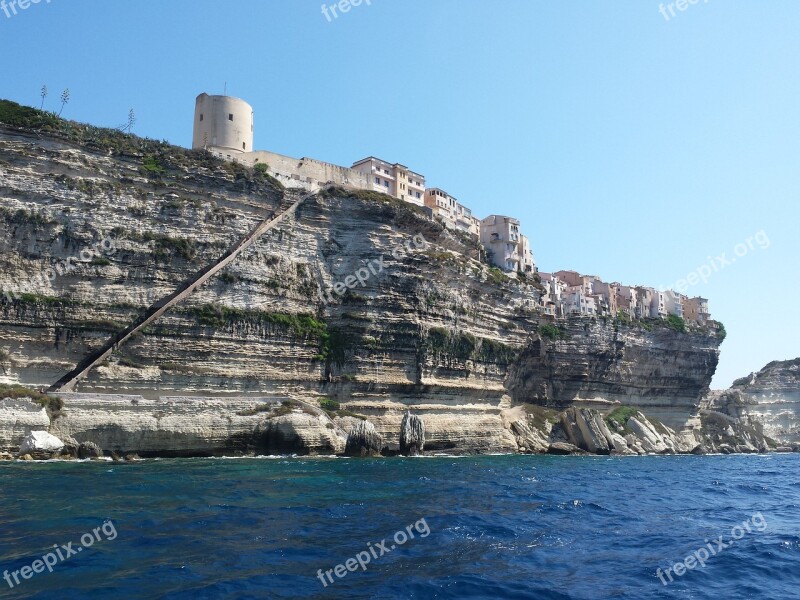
40, 441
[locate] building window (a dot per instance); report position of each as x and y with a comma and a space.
244, 145
385, 183
230, 117
201, 116
378, 180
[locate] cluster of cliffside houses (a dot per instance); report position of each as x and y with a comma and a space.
568, 292
224, 126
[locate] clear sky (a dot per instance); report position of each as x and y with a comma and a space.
632, 145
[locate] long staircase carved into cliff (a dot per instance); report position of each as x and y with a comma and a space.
157, 309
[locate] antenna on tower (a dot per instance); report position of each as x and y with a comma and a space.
225, 93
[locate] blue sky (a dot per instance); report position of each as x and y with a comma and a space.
631, 146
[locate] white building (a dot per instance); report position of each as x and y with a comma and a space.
674, 303
576, 302
467, 222
626, 300
393, 178
553, 298
527, 262
442, 205
501, 237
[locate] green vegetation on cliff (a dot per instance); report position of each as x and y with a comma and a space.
552, 332
51, 403
464, 346
158, 159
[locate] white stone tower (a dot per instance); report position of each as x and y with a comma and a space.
223, 122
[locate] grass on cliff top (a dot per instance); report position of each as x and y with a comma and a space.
51, 403
371, 196
157, 159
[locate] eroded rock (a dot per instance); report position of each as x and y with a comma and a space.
412, 435
89, 450
363, 440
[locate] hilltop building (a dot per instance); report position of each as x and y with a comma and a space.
225, 126
696, 309
223, 122
452, 213
509, 249
394, 179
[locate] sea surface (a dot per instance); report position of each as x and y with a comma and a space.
491, 527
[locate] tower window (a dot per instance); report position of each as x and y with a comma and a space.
201, 116
244, 145
230, 117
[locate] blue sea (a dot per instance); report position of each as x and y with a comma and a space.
490, 527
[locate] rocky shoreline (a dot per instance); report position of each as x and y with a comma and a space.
125, 427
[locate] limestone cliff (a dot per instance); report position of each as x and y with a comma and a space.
771, 397
359, 300
595, 362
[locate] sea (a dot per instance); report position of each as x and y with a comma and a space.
488, 527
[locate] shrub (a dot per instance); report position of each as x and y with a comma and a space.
551, 332
620, 415
677, 323
329, 404
17, 115
152, 167
251, 412
166, 245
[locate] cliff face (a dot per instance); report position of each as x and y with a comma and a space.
595, 362
772, 398
94, 231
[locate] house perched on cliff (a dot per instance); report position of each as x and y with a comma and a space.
452, 213
509, 249
569, 292
696, 309
394, 179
